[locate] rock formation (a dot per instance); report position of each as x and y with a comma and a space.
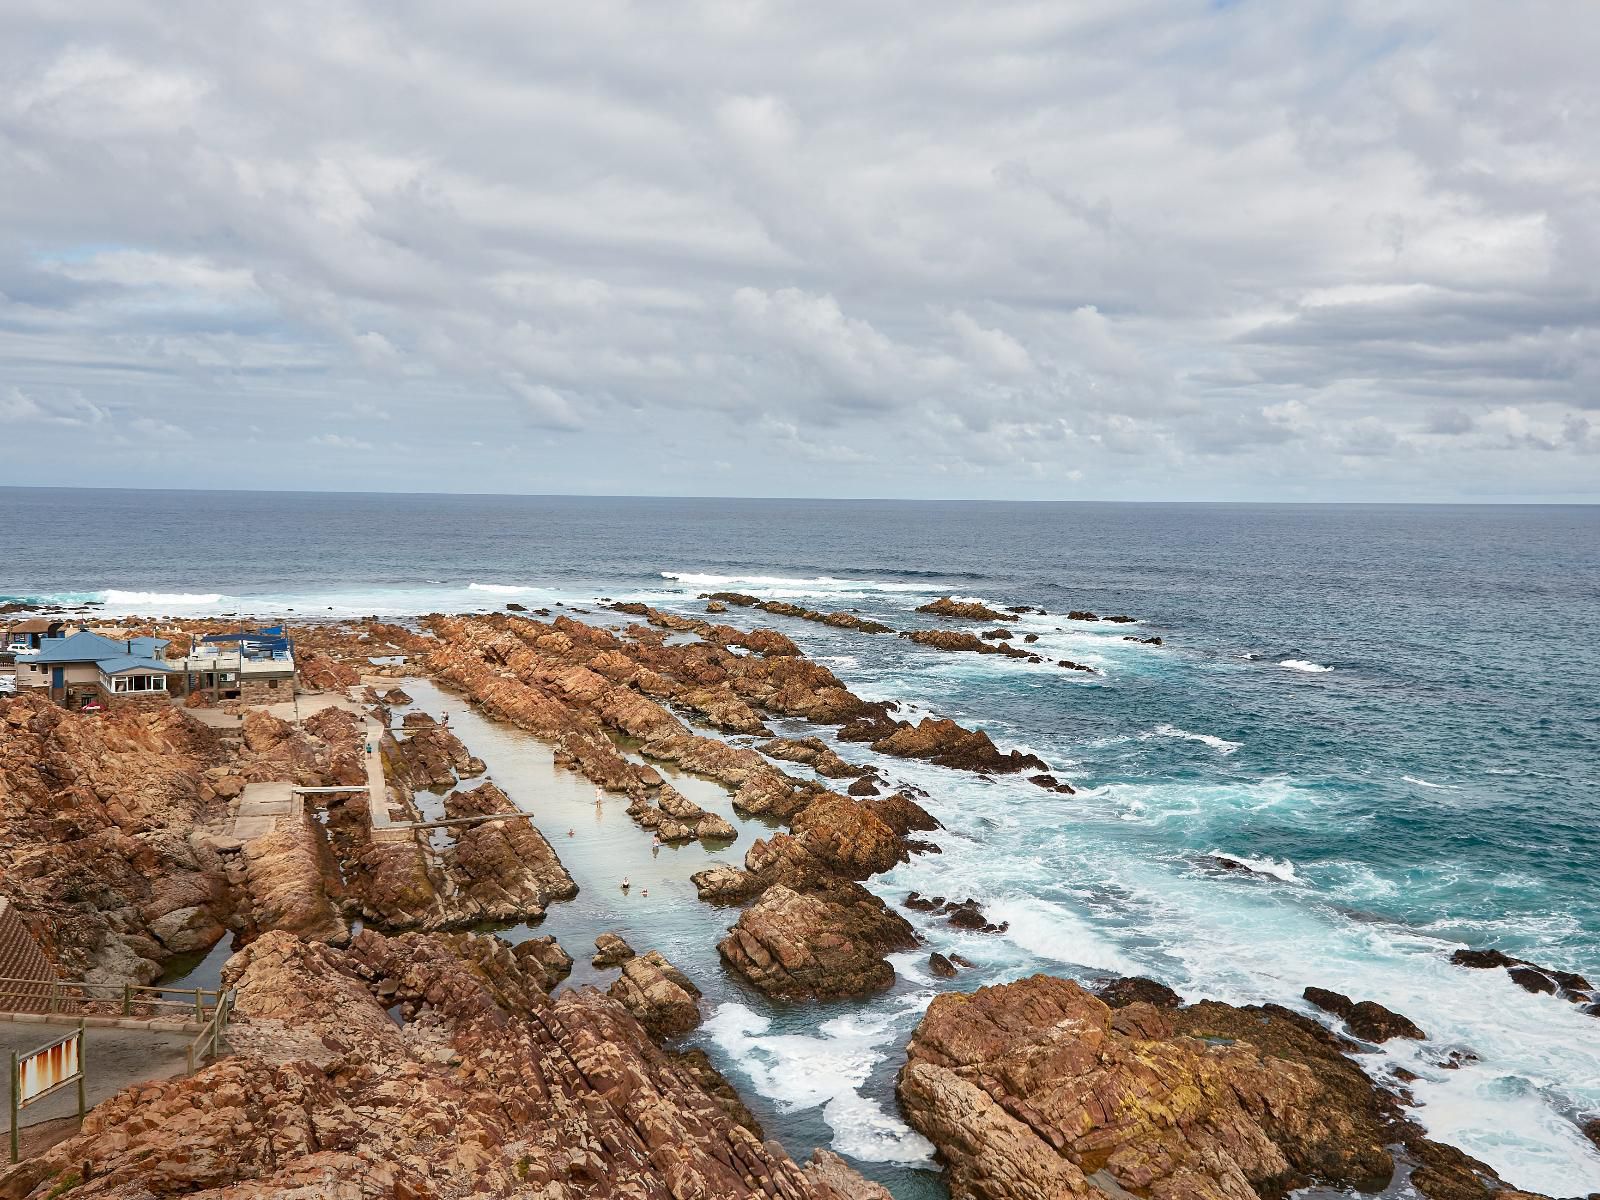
321, 672
964, 610
839, 620
610, 950
970, 643
96, 852
816, 754
676, 818
658, 994
1531, 977
1036, 1089
793, 945
487, 1087
505, 868
1367, 1020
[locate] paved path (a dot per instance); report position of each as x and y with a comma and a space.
384, 828
115, 1058
260, 806
305, 705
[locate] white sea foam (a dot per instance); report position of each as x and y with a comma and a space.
1131, 913
798, 1071
116, 598
1049, 930
502, 589
863, 1130
1443, 787
1220, 745
1300, 664
1278, 869
786, 585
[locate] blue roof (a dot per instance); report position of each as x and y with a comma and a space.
127, 662
84, 646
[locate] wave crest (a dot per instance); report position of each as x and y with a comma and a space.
821, 585
1300, 664
1220, 745
1282, 870
117, 598
501, 589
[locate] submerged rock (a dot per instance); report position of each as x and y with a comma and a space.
1368, 1020
1532, 977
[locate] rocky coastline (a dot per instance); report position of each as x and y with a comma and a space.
385, 1048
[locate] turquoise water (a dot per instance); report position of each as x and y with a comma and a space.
1434, 786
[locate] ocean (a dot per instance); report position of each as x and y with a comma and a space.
1390, 713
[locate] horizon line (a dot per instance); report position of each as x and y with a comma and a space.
1504, 503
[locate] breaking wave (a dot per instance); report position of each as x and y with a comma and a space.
821, 585
115, 598
1282, 870
1442, 787
1300, 664
827, 1069
502, 589
1220, 745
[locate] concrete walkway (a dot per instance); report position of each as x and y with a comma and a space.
260, 805
307, 704
384, 827
115, 1058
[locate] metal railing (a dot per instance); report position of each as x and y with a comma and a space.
72, 998
208, 1042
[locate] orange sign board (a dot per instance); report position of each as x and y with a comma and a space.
45, 1070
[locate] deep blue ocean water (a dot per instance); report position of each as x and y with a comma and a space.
1392, 712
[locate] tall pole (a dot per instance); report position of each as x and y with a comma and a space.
12, 1092
83, 1073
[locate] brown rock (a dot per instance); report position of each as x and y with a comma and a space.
610, 949
849, 836
948, 744
1137, 989
793, 945
658, 994
965, 610
492, 1089
319, 672
1029, 1088
1368, 1020
814, 753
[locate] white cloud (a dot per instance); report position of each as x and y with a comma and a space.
1164, 249
339, 441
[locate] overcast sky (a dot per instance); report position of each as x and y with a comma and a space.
1165, 249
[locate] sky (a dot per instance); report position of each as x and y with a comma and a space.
1108, 249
